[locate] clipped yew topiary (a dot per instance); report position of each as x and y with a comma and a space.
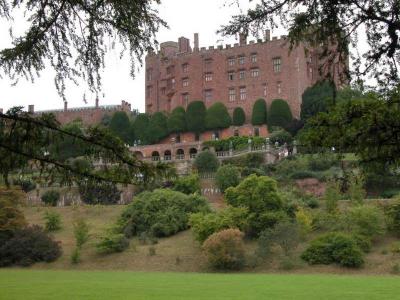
217, 116
239, 116
279, 114
196, 117
176, 121
259, 115
140, 126
157, 127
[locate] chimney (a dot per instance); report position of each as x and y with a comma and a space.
65, 105
31, 108
242, 38
196, 42
97, 102
267, 35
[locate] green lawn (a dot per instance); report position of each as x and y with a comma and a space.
26, 284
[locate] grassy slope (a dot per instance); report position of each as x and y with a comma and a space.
42, 285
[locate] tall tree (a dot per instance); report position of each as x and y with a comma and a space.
176, 120
239, 117
196, 116
316, 98
120, 126
141, 125
259, 115
279, 113
217, 116
157, 127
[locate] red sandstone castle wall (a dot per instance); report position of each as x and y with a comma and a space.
165, 75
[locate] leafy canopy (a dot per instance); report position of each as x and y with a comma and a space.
217, 116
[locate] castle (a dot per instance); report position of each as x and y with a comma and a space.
235, 75
89, 115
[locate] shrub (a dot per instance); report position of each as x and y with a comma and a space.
332, 196
365, 220
94, 192
237, 143
260, 196
11, 217
81, 233
304, 221
187, 184
225, 249
281, 137
284, 234
303, 174
27, 246
217, 116
51, 197
294, 126
206, 162
356, 190
160, 213
196, 117
279, 113
112, 243
52, 221
176, 121
392, 212
239, 117
259, 114
203, 225
316, 99
76, 256
26, 185
227, 176
334, 248
395, 247
390, 193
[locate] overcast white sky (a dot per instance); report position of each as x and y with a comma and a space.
184, 18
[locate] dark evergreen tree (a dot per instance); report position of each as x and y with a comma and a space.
259, 115
120, 125
69, 147
141, 125
316, 99
176, 121
239, 117
279, 114
217, 116
196, 117
157, 128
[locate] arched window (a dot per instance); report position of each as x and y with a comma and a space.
180, 154
155, 156
167, 155
193, 152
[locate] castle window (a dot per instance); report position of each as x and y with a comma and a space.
231, 61
265, 89
255, 72
242, 74
185, 68
279, 88
185, 99
149, 74
243, 93
149, 91
208, 76
241, 60
253, 58
232, 94
208, 63
231, 76
277, 63
208, 95
163, 91
185, 82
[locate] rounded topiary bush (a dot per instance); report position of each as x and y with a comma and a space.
225, 249
206, 162
51, 197
281, 137
259, 115
239, 116
196, 117
217, 116
334, 248
279, 113
176, 121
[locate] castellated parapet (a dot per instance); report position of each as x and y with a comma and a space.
236, 75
